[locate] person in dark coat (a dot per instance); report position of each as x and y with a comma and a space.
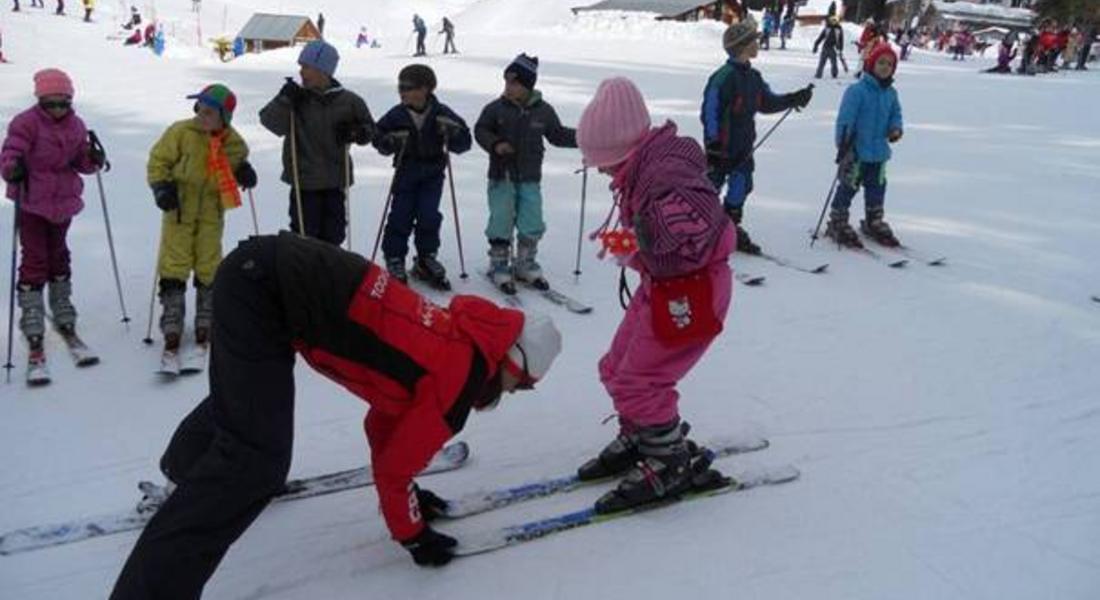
419, 133
422, 368
511, 129
831, 44
327, 120
733, 95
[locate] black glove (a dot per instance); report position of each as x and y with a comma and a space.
431, 506
292, 92
165, 196
353, 133
17, 173
431, 548
448, 126
802, 97
246, 176
97, 156
395, 140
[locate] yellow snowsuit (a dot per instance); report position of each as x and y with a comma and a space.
191, 237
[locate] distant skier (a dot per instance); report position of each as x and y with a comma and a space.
786, 28
422, 368
733, 95
769, 27
511, 129
42, 158
449, 40
362, 39
327, 119
321, 24
89, 5
869, 121
671, 230
194, 171
1006, 53
831, 43
418, 133
135, 19
421, 32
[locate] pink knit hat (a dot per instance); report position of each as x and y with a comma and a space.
612, 123
52, 82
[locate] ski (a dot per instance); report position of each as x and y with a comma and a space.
533, 530
449, 458
512, 300
479, 502
38, 373
930, 260
553, 295
82, 355
170, 364
194, 361
750, 279
818, 270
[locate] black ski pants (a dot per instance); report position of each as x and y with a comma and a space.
826, 55
231, 454
324, 212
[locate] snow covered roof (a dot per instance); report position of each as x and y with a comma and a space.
986, 13
664, 8
265, 26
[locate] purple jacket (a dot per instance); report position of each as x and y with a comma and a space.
54, 153
666, 198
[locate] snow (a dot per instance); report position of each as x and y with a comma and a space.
943, 418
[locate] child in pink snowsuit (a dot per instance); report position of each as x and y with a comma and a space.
674, 233
43, 156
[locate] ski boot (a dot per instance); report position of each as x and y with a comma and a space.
618, 456
500, 272
204, 312
877, 229
663, 471
396, 266
429, 270
528, 271
840, 231
744, 242
61, 305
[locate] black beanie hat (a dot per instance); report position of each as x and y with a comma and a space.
420, 76
526, 70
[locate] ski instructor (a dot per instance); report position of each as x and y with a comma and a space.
421, 367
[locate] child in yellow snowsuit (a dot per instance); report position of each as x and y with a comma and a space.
195, 169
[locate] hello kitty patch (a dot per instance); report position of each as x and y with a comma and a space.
683, 308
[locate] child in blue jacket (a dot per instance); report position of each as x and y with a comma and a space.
419, 132
733, 96
868, 122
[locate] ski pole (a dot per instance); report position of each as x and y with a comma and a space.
454, 207
821, 217
252, 205
294, 168
148, 339
389, 200
93, 140
347, 190
580, 232
8, 366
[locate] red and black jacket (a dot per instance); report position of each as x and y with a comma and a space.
419, 366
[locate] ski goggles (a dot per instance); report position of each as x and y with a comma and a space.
56, 104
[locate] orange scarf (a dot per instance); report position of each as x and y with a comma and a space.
217, 164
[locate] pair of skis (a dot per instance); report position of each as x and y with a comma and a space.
450, 458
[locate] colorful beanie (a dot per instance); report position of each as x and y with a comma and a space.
525, 69
52, 82
612, 123
219, 97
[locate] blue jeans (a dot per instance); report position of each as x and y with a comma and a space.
873, 178
517, 205
740, 185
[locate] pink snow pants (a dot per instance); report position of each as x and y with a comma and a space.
640, 371
45, 251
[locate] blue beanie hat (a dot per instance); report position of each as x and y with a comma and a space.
320, 56
525, 69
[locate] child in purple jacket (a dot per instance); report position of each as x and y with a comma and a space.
672, 230
43, 156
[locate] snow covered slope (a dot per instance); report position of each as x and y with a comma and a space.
944, 418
